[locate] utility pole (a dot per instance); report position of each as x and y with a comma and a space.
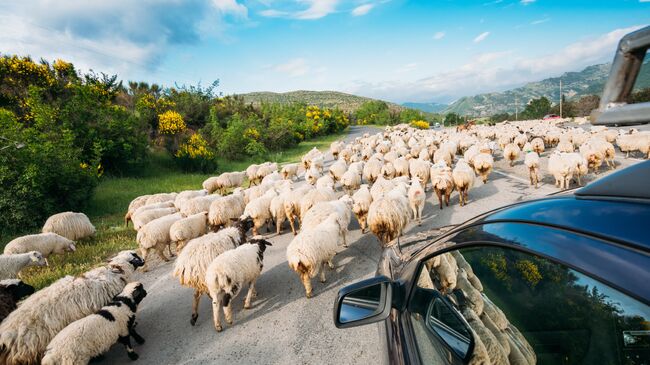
561, 98
516, 108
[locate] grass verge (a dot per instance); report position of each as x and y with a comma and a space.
113, 195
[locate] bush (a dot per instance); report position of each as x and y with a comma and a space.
420, 124
46, 175
374, 112
195, 155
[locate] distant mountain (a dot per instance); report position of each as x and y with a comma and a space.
589, 81
325, 99
427, 107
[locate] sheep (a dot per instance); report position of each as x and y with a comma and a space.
606, 150
325, 181
335, 148
387, 171
511, 153
272, 178
307, 159
265, 169
289, 171
71, 225
561, 168
147, 216
372, 170
277, 208
496, 354
564, 145
229, 272
167, 204
446, 155
224, 181
187, 195
312, 249
472, 295
312, 175
463, 177
337, 169
188, 228
532, 162
351, 180
520, 140
259, 210
95, 334
45, 243
133, 205
442, 182
320, 211
193, 261
446, 272
11, 292
292, 205
639, 141
251, 174
421, 170
389, 215
25, 333
314, 196
155, 236
198, 204
225, 209
537, 145
593, 156
10, 265
578, 164
416, 198
361, 201
160, 197
401, 166
483, 163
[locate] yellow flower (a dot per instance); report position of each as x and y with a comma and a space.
195, 147
420, 124
170, 122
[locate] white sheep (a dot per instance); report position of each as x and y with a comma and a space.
420, 169
147, 216
225, 210
289, 171
225, 181
10, 265
361, 201
537, 145
95, 334
265, 169
442, 182
251, 174
71, 225
322, 210
133, 205
259, 210
161, 197
337, 169
483, 163
312, 249
272, 178
463, 176
196, 256
639, 141
532, 162
167, 204
312, 175
511, 153
325, 181
25, 333
198, 204
155, 236
351, 180
389, 215
277, 208
188, 228
314, 196
372, 170
416, 198
579, 165
561, 168
229, 272
401, 166
292, 205
45, 243
183, 196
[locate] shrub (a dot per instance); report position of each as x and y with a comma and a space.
420, 124
196, 155
170, 122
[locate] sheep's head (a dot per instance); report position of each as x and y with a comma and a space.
262, 243
37, 258
244, 223
126, 257
71, 247
134, 291
16, 288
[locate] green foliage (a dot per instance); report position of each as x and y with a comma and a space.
193, 103
453, 119
409, 115
41, 171
536, 108
640, 96
374, 112
501, 117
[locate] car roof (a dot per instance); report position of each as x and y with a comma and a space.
616, 208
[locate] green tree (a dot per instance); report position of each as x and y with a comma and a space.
453, 119
374, 112
408, 115
537, 108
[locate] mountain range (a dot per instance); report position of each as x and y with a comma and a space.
324, 99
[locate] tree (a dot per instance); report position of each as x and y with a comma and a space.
408, 115
537, 108
501, 117
586, 104
373, 112
453, 119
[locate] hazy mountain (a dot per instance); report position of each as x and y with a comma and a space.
427, 107
326, 99
589, 81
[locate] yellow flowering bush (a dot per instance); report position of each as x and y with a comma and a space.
195, 154
420, 124
170, 122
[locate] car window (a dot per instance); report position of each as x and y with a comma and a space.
518, 308
641, 90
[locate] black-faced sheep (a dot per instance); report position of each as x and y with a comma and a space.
95, 334
11, 292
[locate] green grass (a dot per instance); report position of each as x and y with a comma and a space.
113, 195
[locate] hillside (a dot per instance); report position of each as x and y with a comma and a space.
589, 81
326, 99
427, 107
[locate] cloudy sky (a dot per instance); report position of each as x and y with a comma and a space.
397, 50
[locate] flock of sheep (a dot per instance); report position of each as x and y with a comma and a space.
382, 179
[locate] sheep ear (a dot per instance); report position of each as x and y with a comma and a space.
117, 269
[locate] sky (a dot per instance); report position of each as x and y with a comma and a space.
395, 50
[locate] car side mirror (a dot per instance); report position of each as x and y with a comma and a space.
365, 302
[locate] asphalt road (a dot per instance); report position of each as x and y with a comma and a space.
284, 327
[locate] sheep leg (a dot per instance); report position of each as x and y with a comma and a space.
227, 312
420, 214
439, 194
322, 272
144, 252
216, 311
250, 295
136, 336
306, 282
293, 229
169, 246
161, 253
195, 307
447, 197
330, 264
126, 341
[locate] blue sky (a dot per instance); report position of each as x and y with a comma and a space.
395, 50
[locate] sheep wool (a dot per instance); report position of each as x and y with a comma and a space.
361, 201
161, 197
155, 236
10, 265
147, 216
93, 335
463, 176
226, 209
416, 199
25, 333
311, 250
289, 171
229, 272
11, 292
188, 228
167, 204
45, 243
532, 162
389, 215
292, 205
314, 196
186, 195
483, 163
337, 169
133, 205
442, 182
71, 225
321, 211
224, 181
198, 204
259, 210
511, 153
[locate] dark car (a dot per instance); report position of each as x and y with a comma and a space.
560, 280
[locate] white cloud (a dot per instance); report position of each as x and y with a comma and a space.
294, 68
407, 68
526, 2
231, 7
495, 71
540, 21
481, 37
362, 9
439, 35
316, 9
